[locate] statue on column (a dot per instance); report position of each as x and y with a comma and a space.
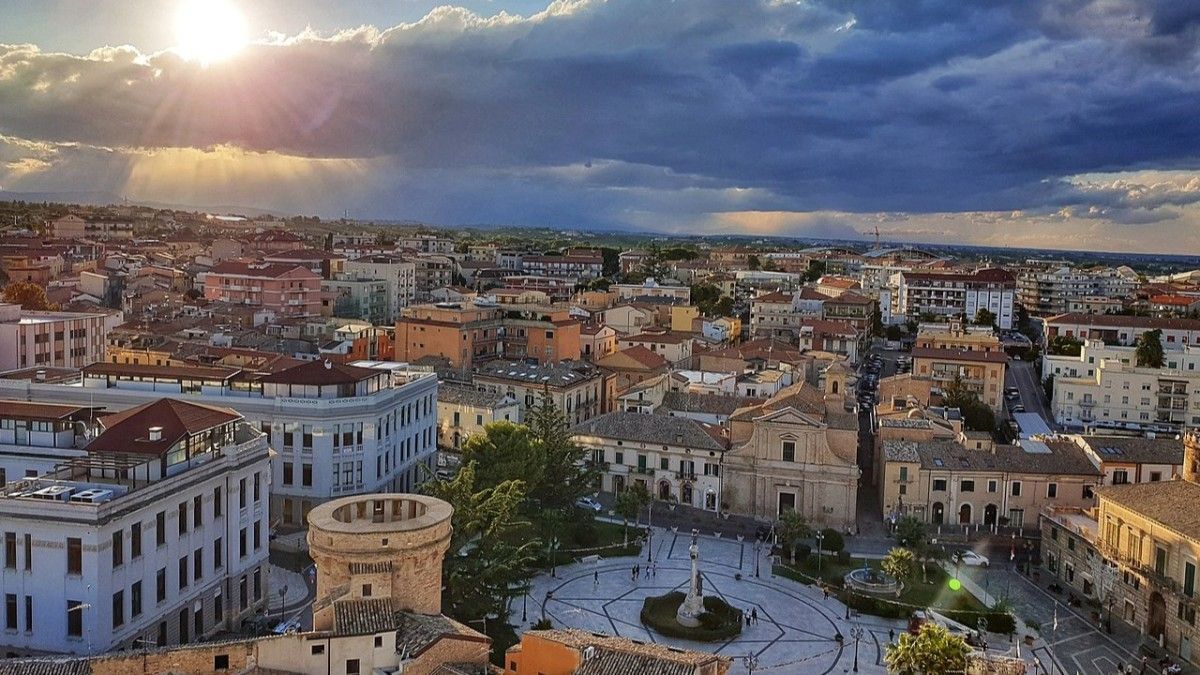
693, 605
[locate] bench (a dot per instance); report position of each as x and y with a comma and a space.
590, 559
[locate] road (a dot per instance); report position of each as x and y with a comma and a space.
1021, 375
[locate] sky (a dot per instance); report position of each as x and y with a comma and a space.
1061, 123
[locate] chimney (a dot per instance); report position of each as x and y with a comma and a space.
156, 433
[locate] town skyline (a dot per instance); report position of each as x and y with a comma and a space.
1065, 126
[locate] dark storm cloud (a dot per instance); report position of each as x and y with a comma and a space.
853, 106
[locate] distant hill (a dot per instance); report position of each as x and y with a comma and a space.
98, 198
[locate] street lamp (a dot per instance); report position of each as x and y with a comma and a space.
282, 592
819, 537
650, 531
856, 633
551, 550
757, 554
751, 662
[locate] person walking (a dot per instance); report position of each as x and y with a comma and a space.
754, 616
595, 578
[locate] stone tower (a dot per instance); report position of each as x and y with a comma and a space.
1191, 456
380, 546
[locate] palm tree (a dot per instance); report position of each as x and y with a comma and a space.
932, 650
793, 529
900, 564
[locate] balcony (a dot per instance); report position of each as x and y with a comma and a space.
686, 475
644, 470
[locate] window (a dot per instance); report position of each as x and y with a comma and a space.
664, 463
197, 511
993, 486
366, 590
28, 550
257, 535
10, 550
1189, 579
306, 476
135, 599
257, 486
10, 611
1016, 488
242, 543
74, 618
352, 667
183, 509
218, 553
118, 548
939, 484
118, 609
966, 486
1051, 490
74, 556
197, 563
183, 572
242, 493
789, 451
160, 531
287, 473
903, 473
1120, 477
317, 650
135, 541
221, 662
1160, 561
160, 585
217, 504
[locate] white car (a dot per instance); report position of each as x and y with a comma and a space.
588, 503
972, 559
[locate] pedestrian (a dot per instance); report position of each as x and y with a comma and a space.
1143, 670
595, 578
754, 615
891, 635
825, 590
633, 573
637, 571
747, 618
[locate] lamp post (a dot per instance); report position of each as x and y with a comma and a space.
757, 555
282, 592
650, 530
525, 601
819, 537
856, 633
551, 550
751, 662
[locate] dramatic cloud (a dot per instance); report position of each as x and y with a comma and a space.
786, 117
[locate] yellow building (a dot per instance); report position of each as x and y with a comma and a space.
563, 652
682, 316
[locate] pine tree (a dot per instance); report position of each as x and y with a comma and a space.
567, 472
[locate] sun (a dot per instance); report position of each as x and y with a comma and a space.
209, 30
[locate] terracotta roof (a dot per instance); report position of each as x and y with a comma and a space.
1121, 321
778, 297
320, 373
1178, 300
259, 270
45, 411
958, 355
642, 427
1054, 459
129, 431
642, 355
303, 254
711, 404
623, 656
1160, 502
1136, 450
850, 298
147, 370
803, 397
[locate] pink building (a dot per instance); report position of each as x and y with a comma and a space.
286, 289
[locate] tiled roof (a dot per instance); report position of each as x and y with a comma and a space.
320, 373
621, 656
1170, 503
459, 394
361, 617
655, 429
958, 354
1136, 450
44, 411
642, 355
802, 397
1036, 458
562, 374
258, 270
1121, 321
129, 431
712, 404
49, 665
417, 632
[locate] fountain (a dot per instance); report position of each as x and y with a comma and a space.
873, 581
692, 616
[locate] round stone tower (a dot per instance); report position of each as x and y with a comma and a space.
1191, 456
379, 547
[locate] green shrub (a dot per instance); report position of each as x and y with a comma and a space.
719, 621
709, 620
543, 624
802, 551
585, 533
832, 540
843, 557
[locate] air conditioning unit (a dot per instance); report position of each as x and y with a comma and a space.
93, 496
54, 493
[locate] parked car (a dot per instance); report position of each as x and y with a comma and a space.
972, 559
588, 503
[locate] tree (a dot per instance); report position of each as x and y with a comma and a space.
28, 295
976, 415
504, 451
724, 306
1064, 345
792, 529
752, 262
482, 564
900, 564
816, 270
707, 298
984, 317
628, 505
567, 471
893, 333
933, 650
1048, 387
911, 533
1149, 350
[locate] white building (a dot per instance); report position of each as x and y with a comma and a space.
1052, 291
400, 274
910, 295
31, 339
1104, 388
157, 535
652, 289
338, 429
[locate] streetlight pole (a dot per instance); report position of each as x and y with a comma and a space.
820, 537
552, 547
751, 662
757, 555
650, 531
856, 633
525, 602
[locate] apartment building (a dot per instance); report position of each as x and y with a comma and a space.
575, 387
338, 429
1136, 555
156, 535
979, 371
910, 295
943, 482
1133, 459
674, 347
676, 459
778, 314
30, 339
544, 334
957, 335
1104, 387
399, 274
357, 298
1046, 292
284, 288
581, 267
853, 308
72, 226
326, 264
464, 411
1120, 329
431, 272
37, 437
835, 337
462, 334
428, 243
650, 288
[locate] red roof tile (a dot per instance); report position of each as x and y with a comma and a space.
129, 431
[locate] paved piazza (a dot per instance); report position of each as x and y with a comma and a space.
796, 625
